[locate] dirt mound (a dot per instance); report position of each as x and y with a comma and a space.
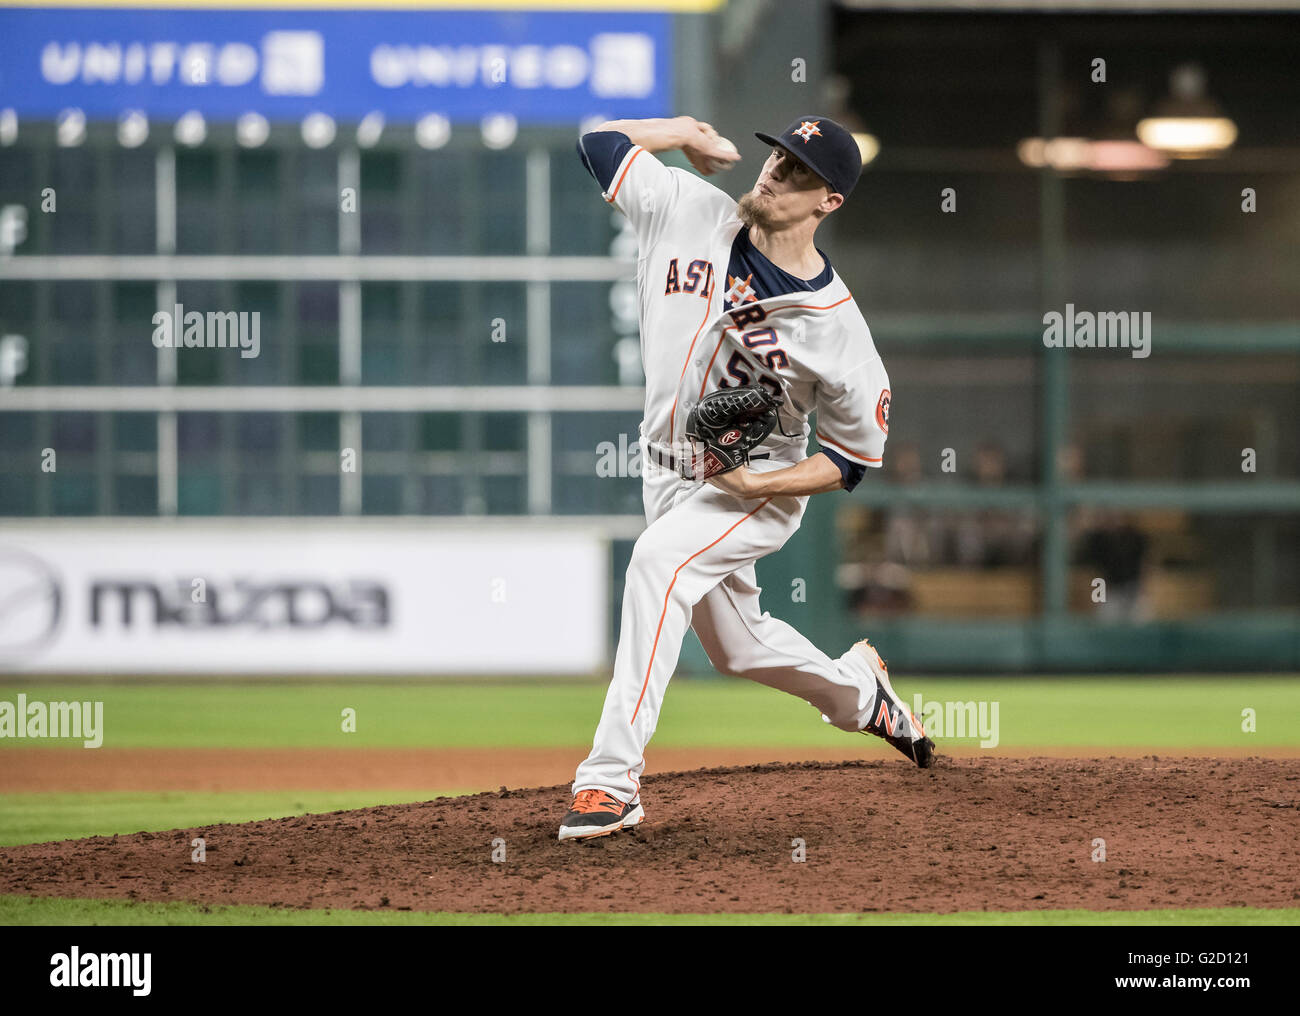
995, 834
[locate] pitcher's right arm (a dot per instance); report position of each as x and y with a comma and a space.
620, 154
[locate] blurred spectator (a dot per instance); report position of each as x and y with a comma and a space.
1117, 549
911, 534
884, 545
876, 587
890, 551
1071, 467
990, 537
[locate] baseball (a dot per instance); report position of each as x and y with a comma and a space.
720, 165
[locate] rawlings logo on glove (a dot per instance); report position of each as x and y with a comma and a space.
729, 423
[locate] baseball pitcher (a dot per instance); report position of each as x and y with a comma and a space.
746, 329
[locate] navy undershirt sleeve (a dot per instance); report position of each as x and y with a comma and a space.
602, 152
852, 472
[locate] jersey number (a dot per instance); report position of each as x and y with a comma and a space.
773, 359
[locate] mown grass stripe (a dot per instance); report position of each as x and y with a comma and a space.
1155, 712
21, 910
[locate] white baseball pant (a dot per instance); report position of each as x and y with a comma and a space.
693, 566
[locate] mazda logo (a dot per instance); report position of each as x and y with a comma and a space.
30, 602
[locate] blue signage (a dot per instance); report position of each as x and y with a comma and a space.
540, 66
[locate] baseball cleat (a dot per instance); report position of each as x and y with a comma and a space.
890, 719
597, 813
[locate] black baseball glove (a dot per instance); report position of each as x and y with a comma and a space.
730, 423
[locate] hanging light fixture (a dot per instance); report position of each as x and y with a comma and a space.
1188, 124
868, 145
1112, 152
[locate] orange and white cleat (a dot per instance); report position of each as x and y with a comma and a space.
890, 718
598, 813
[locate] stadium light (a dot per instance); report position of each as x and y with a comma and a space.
371, 129
70, 129
432, 131
132, 129
318, 130
191, 130
499, 130
252, 130
1188, 124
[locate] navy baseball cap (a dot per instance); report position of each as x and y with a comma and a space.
826, 147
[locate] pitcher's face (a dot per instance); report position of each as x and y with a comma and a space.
787, 191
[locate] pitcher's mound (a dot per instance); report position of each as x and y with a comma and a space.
969, 834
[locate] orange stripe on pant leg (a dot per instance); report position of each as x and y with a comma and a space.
663, 613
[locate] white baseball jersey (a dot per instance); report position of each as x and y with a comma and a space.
714, 313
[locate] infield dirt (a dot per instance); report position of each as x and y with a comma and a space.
987, 834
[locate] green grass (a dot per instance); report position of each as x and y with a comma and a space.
1135, 712
20, 910
38, 818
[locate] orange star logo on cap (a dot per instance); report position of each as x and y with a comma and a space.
807, 129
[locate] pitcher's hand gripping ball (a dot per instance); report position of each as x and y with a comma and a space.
729, 423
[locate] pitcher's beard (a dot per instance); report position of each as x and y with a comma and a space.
751, 211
